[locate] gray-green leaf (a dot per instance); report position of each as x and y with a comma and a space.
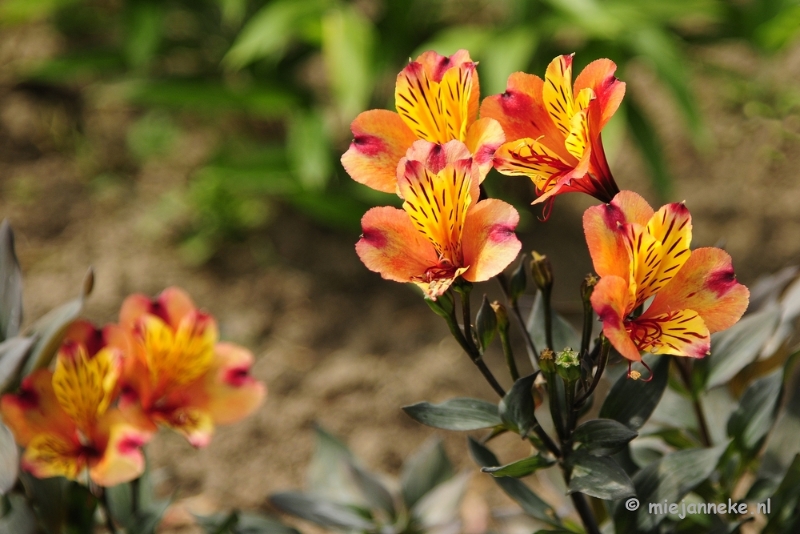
520, 468
602, 437
631, 402
599, 477
456, 414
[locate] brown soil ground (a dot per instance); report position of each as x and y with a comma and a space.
336, 344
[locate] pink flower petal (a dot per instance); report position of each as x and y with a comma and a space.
489, 242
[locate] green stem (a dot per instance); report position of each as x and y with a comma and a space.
555, 403
473, 354
585, 512
548, 319
685, 370
605, 350
509, 354
533, 354
464, 291
586, 334
103, 500
548, 442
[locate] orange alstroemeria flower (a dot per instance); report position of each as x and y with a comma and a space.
641, 254
65, 418
443, 231
553, 128
180, 376
437, 100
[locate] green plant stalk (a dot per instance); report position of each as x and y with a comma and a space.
533, 354
584, 511
509, 354
464, 291
103, 500
586, 334
552, 397
548, 318
685, 370
605, 350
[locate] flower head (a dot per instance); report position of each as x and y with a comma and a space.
443, 231
180, 375
642, 255
553, 128
65, 418
437, 101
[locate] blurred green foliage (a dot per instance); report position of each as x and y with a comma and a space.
283, 78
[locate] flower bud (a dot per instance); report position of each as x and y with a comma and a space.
502, 316
587, 287
486, 323
519, 281
542, 271
547, 362
568, 365
443, 306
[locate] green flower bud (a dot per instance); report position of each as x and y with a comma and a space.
442, 306
547, 362
486, 323
542, 271
587, 288
568, 365
502, 316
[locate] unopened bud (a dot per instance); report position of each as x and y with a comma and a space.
518, 283
542, 271
568, 365
501, 314
486, 323
442, 306
587, 288
547, 361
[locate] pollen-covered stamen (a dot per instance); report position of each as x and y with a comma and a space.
437, 205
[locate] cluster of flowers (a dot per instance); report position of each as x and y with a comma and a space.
112, 387
654, 295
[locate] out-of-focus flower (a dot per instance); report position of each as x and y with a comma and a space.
65, 418
640, 254
437, 100
553, 128
179, 375
442, 232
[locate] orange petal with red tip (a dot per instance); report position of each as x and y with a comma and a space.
391, 245
121, 445
51, 455
171, 306
611, 303
232, 392
680, 333
35, 409
609, 91
521, 113
707, 284
380, 140
603, 226
489, 243
484, 137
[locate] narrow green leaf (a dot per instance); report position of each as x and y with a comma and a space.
120, 503
668, 479
784, 502
739, 345
144, 22
308, 150
330, 474
348, 39
13, 354
19, 519
603, 437
425, 469
456, 414
485, 323
564, 335
645, 136
440, 507
599, 477
10, 285
373, 490
267, 34
239, 523
516, 408
520, 468
9, 460
321, 511
631, 402
531, 503
49, 330
756, 412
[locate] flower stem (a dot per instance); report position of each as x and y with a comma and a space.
509, 354
533, 354
601, 366
103, 500
685, 370
548, 319
585, 512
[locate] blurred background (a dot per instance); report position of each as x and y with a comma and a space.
197, 143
